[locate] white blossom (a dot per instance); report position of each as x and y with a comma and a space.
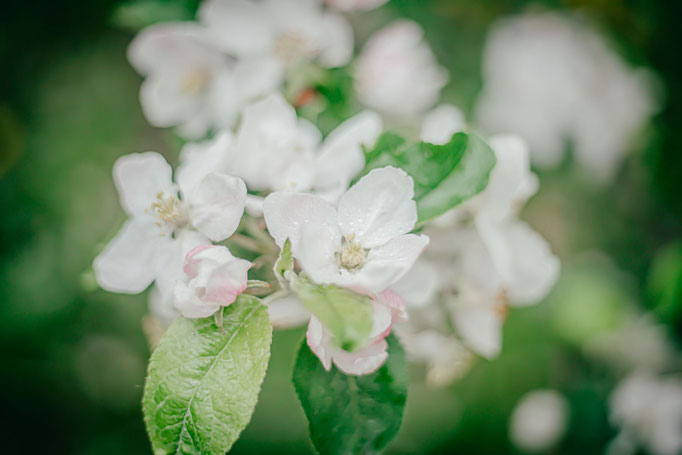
648, 410
214, 278
554, 80
274, 150
396, 73
439, 124
165, 222
362, 244
282, 32
189, 83
388, 308
539, 420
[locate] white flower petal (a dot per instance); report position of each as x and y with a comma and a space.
127, 264
189, 304
170, 257
238, 26
161, 306
419, 286
217, 206
318, 342
338, 46
364, 361
139, 178
288, 312
287, 213
200, 159
341, 157
479, 324
441, 123
378, 207
523, 258
386, 264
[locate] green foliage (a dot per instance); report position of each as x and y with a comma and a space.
444, 175
203, 381
352, 414
285, 262
346, 314
138, 14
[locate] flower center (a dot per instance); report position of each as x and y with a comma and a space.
194, 81
169, 211
352, 254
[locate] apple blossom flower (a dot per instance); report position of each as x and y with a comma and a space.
648, 409
388, 308
363, 243
288, 312
282, 32
355, 5
396, 72
165, 222
190, 83
214, 279
554, 80
276, 151
539, 421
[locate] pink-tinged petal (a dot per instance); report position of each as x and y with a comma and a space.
395, 303
388, 263
191, 263
287, 213
170, 257
140, 178
227, 282
189, 304
379, 207
365, 361
288, 312
318, 342
127, 264
217, 205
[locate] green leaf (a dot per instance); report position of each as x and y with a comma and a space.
203, 381
444, 175
138, 14
352, 414
285, 263
346, 314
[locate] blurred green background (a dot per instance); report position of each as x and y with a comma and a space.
74, 357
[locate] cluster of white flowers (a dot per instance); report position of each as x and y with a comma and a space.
260, 168
554, 80
481, 260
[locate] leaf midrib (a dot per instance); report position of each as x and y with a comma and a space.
210, 368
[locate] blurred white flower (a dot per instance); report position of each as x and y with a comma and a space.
363, 244
648, 410
555, 81
396, 73
439, 124
539, 420
165, 222
638, 343
388, 308
283, 32
190, 83
355, 5
214, 278
288, 312
482, 258
276, 151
